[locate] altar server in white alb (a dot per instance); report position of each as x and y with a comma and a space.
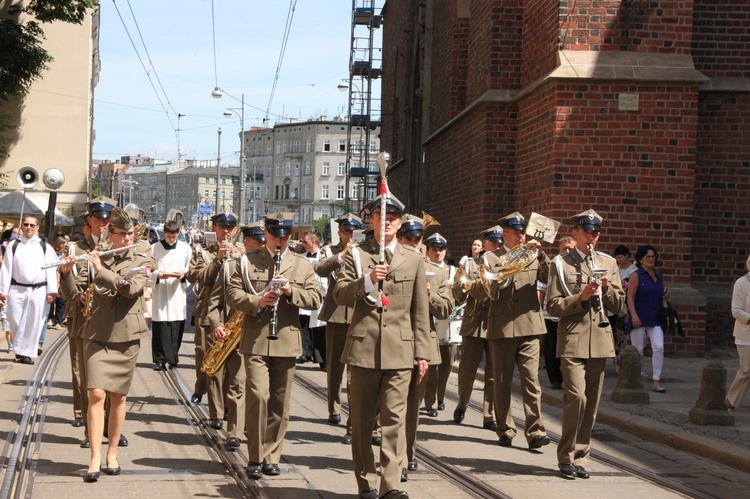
169, 296
26, 288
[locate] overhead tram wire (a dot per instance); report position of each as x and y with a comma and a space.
287, 30
148, 75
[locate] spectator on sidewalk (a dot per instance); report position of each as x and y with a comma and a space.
741, 314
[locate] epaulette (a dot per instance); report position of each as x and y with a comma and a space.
606, 255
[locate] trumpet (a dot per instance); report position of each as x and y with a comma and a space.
80, 258
596, 276
273, 334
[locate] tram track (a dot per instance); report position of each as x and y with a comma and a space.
448, 472
604, 458
24, 443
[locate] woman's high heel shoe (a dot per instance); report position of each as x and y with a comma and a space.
112, 471
91, 477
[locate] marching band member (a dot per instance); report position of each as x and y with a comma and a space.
474, 343
96, 224
515, 323
383, 346
437, 378
112, 335
270, 363
204, 271
169, 298
232, 372
440, 305
313, 328
584, 342
337, 317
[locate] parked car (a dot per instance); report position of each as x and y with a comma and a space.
155, 233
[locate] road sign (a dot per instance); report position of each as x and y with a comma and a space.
364, 214
205, 210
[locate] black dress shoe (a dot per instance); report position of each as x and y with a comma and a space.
77, 422
334, 418
441, 406
505, 441
160, 367
458, 415
112, 471
254, 471
123, 442
323, 367
348, 440
376, 441
85, 444
396, 494
216, 424
39, 352
368, 494
539, 441
581, 472
271, 469
567, 469
412, 466
404, 475
304, 359
23, 359
91, 477
196, 399
432, 413
490, 425
232, 444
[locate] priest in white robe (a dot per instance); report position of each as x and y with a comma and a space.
169, 296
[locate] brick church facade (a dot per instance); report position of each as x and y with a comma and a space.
639, 109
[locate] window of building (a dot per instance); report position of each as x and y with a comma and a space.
268, 150
308, 144
296, 170
284, 146
327, 145
326, 168
324, 194
277, 170
342, 145
354, 191
340, 192
307, 168
324, 213
341, 169
372, 146
278, 147
307, 191
277, 192
306, 215
288, 168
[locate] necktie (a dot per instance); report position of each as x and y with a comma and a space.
388, 256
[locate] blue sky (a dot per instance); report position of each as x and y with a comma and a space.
128, 117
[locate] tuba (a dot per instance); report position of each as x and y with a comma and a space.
428, 221
220, 350
511, 263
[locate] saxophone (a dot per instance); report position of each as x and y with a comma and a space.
101, 245
220, 350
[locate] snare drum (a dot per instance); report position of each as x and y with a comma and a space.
448, 330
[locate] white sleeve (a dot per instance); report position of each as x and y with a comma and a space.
50, 274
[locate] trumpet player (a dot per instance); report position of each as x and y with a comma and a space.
270, 363
337, 318
515, 323
232, 373
97, 222
203, 273
474, 343
584, 344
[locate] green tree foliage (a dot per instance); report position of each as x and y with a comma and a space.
23, 59
321, 227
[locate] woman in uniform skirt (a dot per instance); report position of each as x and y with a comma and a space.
112, 335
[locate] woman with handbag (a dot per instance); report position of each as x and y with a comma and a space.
645, 292
741, 314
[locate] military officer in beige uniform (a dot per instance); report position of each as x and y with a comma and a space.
474, 343
112, 334
515, 323
583, 345
97, 219
337, 318
383, 346
269, 363
203, 274
231, 375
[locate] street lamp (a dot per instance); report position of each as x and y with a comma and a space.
241, 115
130, 189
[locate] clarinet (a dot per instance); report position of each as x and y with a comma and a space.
273, 334
596, 276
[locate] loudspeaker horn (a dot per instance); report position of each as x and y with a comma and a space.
27, 177
53, 179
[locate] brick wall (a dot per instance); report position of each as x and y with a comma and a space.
540, 38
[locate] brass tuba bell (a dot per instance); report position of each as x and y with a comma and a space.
428, 221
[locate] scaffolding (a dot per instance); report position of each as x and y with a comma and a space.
365, 69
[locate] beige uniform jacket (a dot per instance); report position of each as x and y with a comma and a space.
306, 294
578, 332
515, 311
441, 305
401, 334
476, 311
329, 267
202, 274
118, 307
217, 311
69, 291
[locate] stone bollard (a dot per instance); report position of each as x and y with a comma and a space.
629, 389
709, 408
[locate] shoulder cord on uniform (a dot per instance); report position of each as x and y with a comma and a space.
561, 275
358, 267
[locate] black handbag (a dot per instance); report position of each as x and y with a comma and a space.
668, 319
